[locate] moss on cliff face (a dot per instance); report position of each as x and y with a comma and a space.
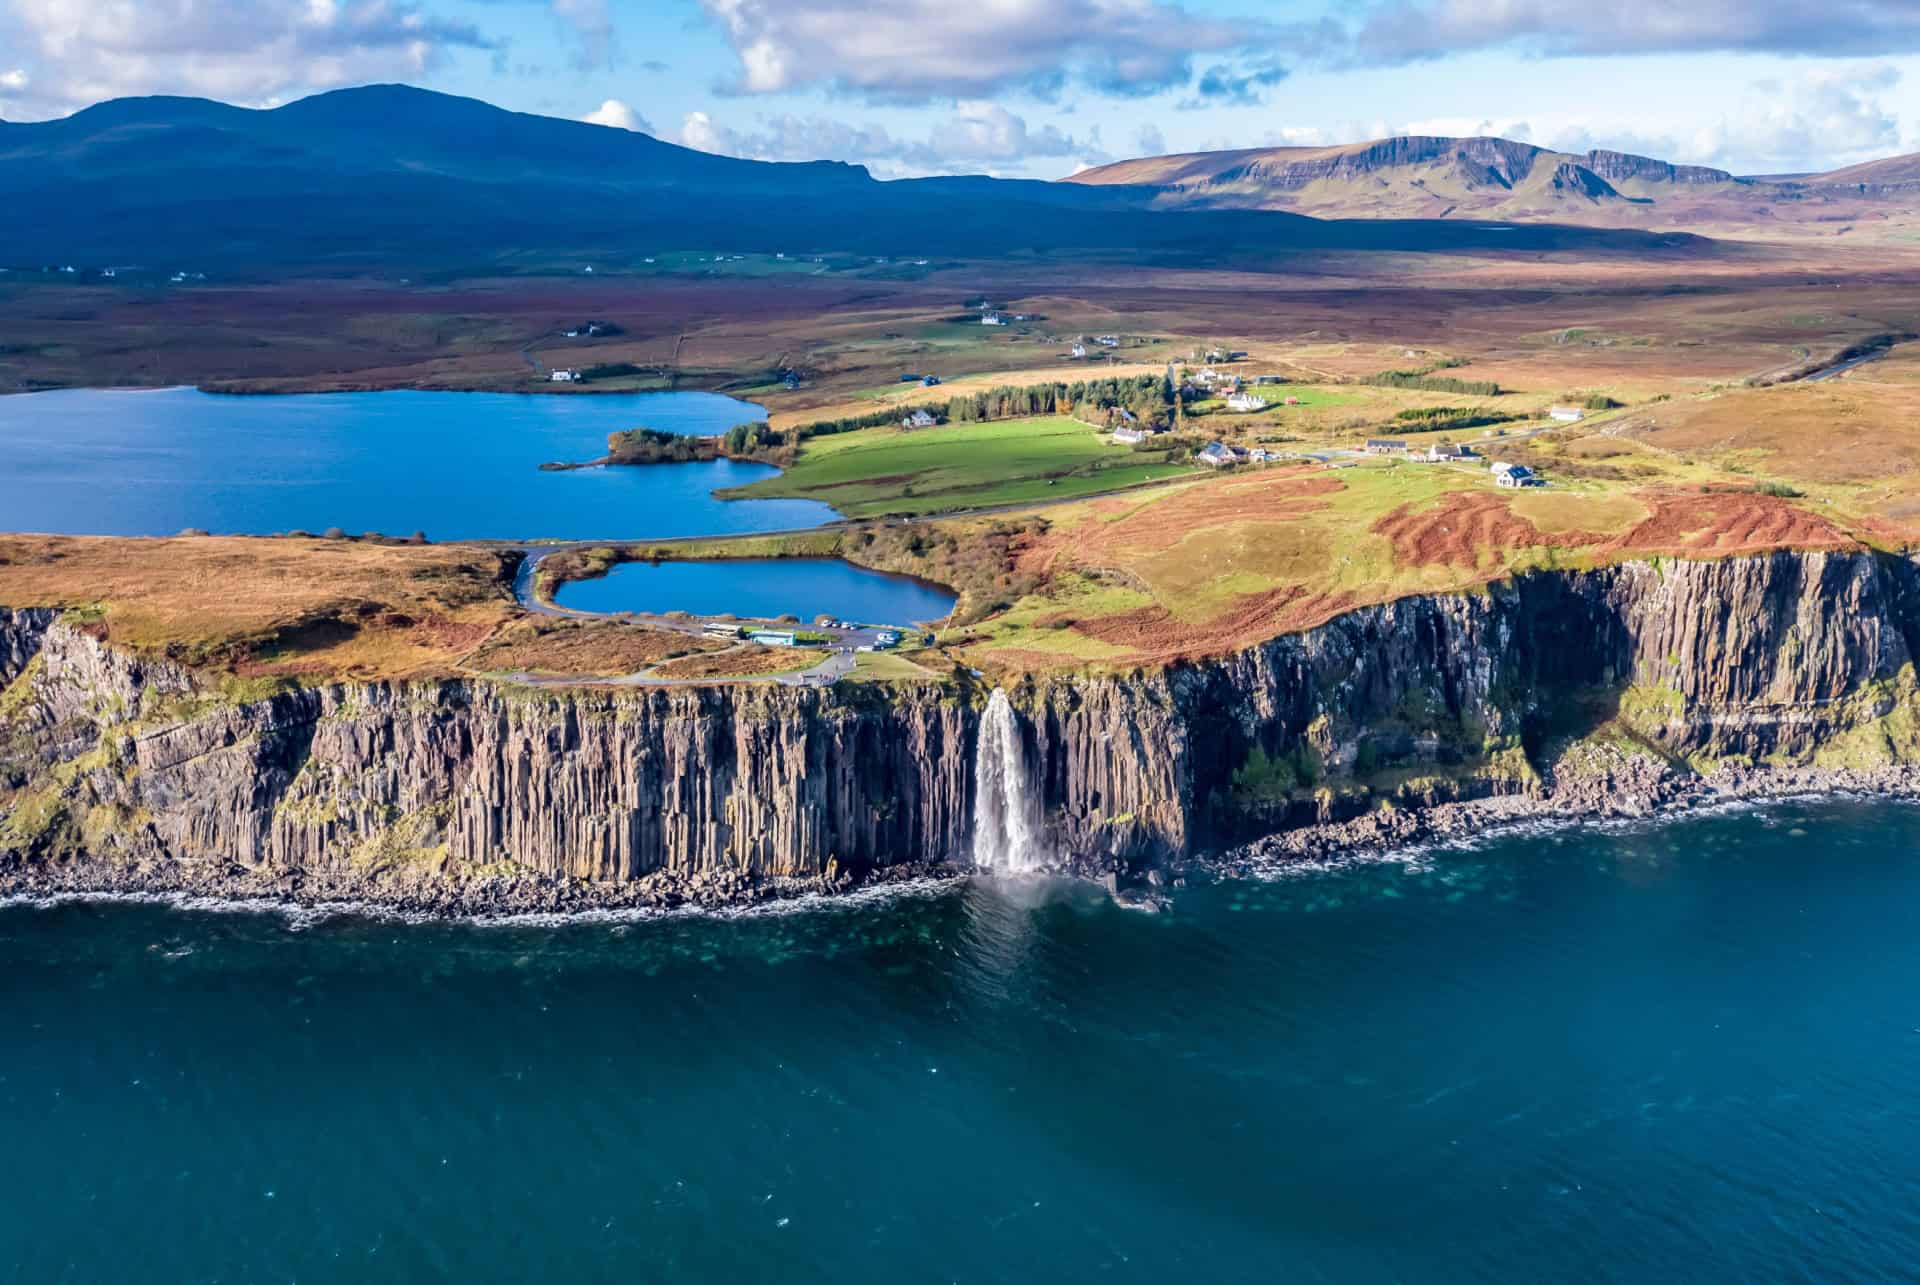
1550, 678
1880, 739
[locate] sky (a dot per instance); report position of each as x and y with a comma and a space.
1040, 88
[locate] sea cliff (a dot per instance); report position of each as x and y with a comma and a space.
1551, 690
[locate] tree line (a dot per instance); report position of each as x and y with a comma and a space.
1145, 396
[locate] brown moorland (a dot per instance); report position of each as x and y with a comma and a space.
741, 662
270, 607
583, 648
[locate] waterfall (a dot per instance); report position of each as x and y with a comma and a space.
1006, 828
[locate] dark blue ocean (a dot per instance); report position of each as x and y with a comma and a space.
1684, 1052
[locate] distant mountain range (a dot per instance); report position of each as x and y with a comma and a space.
1416, 177
394, 177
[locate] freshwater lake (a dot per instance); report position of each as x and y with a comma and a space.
457, 466
1682, 1052
762, 588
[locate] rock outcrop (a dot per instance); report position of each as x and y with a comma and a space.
115, 762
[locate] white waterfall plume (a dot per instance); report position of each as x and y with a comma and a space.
1006, 815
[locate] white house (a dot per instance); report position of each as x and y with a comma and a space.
563, 376
992, 319
919, 419
1246, 402
1130, 436
1446, 451
1079, 350
1515, 476
1566, 414
1219, 455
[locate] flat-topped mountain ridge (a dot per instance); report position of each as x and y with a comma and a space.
1485, 177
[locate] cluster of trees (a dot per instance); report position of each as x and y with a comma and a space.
652, 446
1433, 419
1600, 401
1091, 399
611, 370
1422, 379
1423, 382
1146, 396
751, 437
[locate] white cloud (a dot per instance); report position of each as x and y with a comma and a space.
981, 131
698, 130
1518, 131
980, 135
1817, 122
248, 51
617, 115
1149, 141
919, 50
591, 22
1411, 30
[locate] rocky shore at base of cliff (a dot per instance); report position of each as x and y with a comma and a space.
433, 895
1636, 789
1633, 789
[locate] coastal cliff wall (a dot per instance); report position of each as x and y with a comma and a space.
112, 762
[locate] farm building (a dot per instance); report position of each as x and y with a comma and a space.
1386, 446
1246, 402
1566, 414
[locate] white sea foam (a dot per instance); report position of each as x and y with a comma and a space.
303, 915
1422, 855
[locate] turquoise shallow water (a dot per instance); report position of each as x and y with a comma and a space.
1682, 1052
455, 465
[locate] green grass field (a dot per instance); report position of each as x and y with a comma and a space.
963, 466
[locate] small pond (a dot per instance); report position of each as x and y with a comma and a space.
761, 588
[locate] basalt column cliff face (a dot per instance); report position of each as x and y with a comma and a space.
114, 768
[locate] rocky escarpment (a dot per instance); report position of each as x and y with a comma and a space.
116, 769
